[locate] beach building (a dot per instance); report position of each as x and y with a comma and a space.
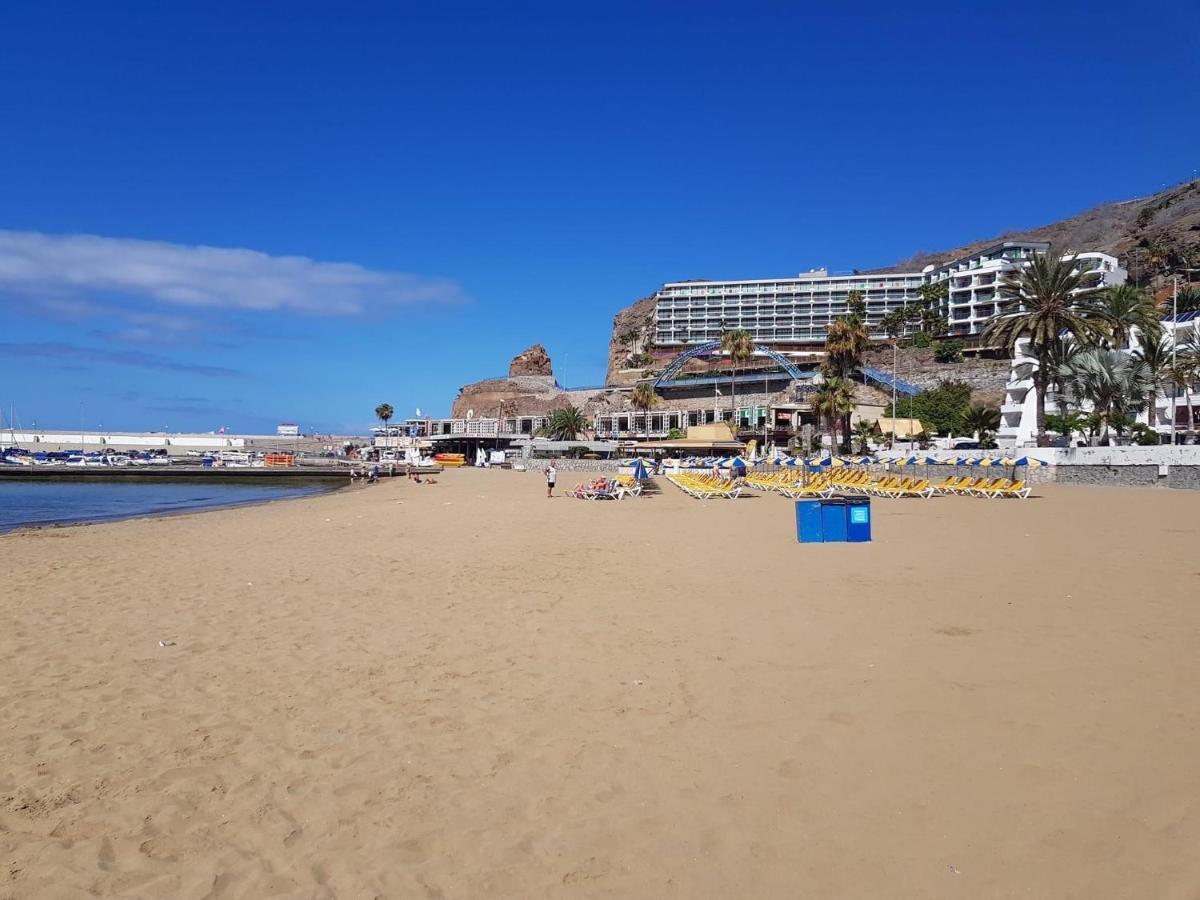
1175, 413
791, 314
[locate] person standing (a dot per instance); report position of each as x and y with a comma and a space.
551, 478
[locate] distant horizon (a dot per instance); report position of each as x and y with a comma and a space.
235, 217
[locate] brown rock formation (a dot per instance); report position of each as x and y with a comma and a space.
534, 361
632, 342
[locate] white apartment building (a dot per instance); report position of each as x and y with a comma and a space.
973, 282
793, 313
1176, 409
785, 313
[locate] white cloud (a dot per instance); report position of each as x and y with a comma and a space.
206, 277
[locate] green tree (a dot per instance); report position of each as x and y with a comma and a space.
564, 424
864, 433
948, 351
384, 412
1156, 357
857, 302
739, 346
833, 400
983, 421
1053, 303
933, 293
1185, 371
846, 340
1066, 423
1125, 307
644, 399
1188, 300
1114, 383
942, 409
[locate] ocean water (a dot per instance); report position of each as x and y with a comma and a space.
46, 502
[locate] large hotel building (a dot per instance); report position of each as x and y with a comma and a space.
792, 313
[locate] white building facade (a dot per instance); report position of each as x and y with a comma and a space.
973, 282
1174, 415
784, 313
793, 313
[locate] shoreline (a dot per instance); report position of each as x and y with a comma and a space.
79, 522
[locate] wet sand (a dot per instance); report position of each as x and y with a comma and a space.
464, 690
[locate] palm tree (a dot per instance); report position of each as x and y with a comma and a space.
1188, 300
644, 399
1156, 357
846, 340
564, 424
833, 399
928, 311
1053, 302
1114, 383
983, 421
1125, 307
1185, 370
739, 345
384, 412
864, 433
856, 301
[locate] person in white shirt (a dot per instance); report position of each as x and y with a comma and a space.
551, 478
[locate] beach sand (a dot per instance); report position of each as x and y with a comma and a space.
464, 690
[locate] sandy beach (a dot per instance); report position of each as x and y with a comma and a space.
464, 690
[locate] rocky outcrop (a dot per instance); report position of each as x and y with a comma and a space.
631, 346
534, 361
523, 395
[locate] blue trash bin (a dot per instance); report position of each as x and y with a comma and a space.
808, 522
858, 519
833, 520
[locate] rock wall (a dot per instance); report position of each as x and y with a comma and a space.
534, 361
986, 377
632, 336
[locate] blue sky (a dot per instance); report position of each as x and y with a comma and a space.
403, 197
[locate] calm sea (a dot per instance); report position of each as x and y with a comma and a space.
44, 502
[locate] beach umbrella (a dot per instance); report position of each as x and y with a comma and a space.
739, 465
639, 470
932, 461
1030, 461
986, 461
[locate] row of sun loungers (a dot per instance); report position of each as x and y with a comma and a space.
860, 481
705, 487
984, 487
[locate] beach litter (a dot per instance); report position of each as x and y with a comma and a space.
166, 643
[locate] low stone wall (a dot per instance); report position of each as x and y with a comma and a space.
1180, 477
573, 465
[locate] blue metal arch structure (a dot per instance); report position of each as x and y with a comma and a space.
708, 349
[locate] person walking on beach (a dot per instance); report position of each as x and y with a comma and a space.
551, 478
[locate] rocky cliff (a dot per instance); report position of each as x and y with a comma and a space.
631, 345
1148, 234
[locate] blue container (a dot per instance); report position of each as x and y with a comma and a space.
833, 519
808, 522
858, 519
